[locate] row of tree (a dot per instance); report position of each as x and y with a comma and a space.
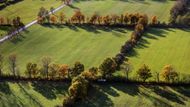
15, 24
79, 18
168, 73
51, 70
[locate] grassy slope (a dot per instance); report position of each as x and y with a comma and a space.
122, 95
32, 94
150, 7
160, 47
27, 9
66, 45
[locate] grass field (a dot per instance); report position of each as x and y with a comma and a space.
66, 45
34, 94
123, 95
3, 30
151, 7
27, 9
160, 47
105, 95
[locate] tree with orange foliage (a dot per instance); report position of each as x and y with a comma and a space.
169, 73
53, 19
94, 18
154, 20
2, 21
143, 19
63, 70
139, 28
126, 18
78, 17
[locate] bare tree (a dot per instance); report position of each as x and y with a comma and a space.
127, 68
46, 62
12, 63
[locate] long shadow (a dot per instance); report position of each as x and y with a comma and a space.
96, 98
50, 90
4, 88
5, 102
185, 91
73, 7
90, 28
166, 93
156, 101
23, 90
132, 90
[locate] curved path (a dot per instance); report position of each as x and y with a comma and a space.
30, 24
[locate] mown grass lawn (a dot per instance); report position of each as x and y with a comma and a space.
160, 47
28, 9
66, 45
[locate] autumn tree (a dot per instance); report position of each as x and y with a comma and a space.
107, 20
108, 67
13, 64
169, 73
53, 19
144, 73
2, 21
62, 17
63, 70
76, 70
31, 69
45, 63
154, 20
78, 17
90, 74
1, 64
78, 88
143, 19
94, 18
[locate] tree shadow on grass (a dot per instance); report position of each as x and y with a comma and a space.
50, 90
4, 88
156, 101
29, 96
96, 98
185, 91
131, 90
8, 98
156, 94
157, 32
132, 53
167, 93
116, 31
